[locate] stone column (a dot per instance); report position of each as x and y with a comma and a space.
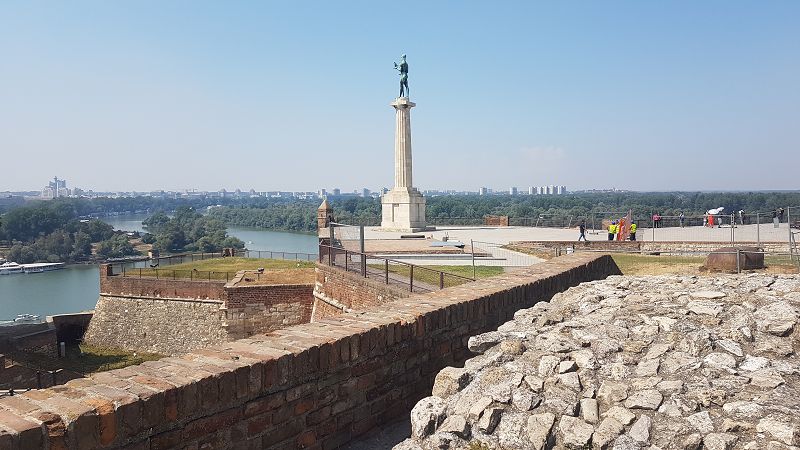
403, 207
402, 142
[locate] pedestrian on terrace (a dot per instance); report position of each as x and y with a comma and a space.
582, 229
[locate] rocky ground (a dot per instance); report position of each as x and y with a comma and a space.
660, 362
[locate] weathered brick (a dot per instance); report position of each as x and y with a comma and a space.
26, 432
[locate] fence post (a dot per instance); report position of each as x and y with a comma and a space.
386, 269
758, 228
653, 226
472, 245
733, 227
441, 280
411, 278
346, 261
738, 265
789, 227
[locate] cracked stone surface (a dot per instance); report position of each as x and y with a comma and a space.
630, 362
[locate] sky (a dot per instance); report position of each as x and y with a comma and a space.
650, 96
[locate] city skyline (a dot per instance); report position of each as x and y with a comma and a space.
646, 97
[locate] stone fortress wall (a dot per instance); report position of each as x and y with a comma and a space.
315, 385
652, 362
177, 316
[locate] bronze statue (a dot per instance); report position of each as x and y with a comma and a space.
402, 66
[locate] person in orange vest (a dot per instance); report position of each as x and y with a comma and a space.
612, 230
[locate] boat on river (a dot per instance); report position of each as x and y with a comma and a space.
10, 268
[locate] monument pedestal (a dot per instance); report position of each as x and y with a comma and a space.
403, 209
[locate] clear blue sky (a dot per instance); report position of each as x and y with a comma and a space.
295, 95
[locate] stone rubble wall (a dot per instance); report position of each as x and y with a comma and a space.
315, 385
168, 326
666, 362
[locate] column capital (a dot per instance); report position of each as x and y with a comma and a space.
402, 102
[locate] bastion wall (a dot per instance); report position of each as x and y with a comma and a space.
315, 385
172, 317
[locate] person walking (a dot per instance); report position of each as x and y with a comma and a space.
582, 229
633, 231
681, 219
612, 230
780, 215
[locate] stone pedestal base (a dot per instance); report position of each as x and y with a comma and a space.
403, 210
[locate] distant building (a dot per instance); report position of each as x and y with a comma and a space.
337, 191
482, 191
531, 190
365, 192
512, 190
323, 192
551, 190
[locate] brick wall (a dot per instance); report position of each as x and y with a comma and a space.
352, 290
263, 308
150, 287
495, 221
315, 385
41, 342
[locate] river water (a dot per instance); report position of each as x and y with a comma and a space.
77, 287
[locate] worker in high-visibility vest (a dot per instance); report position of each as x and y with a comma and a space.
633, 231
612, 230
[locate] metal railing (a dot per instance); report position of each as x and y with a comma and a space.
152, 267
409, 276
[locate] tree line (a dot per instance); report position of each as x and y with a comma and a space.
187, 231
53, 232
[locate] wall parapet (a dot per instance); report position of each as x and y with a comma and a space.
315, 385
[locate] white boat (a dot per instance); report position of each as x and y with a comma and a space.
9, 268
27, 318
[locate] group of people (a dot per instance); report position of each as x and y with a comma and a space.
615, 230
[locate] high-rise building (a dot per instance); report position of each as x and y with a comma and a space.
531, 190
337, 191
551, 189
323, 192
365, 192
482, 191
563, 190
512, 190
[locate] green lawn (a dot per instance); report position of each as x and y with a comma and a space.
432, 278
632, 264
220, 268
86, 359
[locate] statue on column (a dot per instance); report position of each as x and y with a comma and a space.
402, 67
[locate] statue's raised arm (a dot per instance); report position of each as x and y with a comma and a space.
402, 67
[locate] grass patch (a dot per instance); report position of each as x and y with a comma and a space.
432, 278
225, 268
631, 264
86, 359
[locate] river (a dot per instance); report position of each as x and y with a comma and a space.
77, 287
